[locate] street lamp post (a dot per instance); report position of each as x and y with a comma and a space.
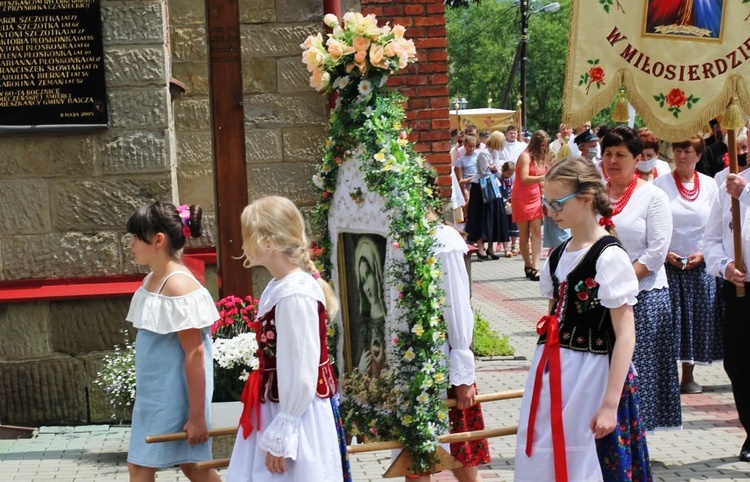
460, 105
525, 14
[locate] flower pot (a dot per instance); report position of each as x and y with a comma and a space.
224, 414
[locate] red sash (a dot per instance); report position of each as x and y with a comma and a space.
549, 326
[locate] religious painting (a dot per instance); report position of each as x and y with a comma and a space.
702, 19
363, 301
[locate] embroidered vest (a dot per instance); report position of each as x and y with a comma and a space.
267, 346
585, 325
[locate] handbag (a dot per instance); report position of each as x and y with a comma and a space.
490, 188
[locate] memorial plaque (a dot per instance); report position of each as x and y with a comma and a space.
51, 65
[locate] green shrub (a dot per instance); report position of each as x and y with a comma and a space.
486, 340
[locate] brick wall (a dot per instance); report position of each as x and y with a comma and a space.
425, 83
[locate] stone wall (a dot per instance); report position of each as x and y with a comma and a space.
65, 200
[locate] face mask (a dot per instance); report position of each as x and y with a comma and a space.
592, 153
742, 159
646, 166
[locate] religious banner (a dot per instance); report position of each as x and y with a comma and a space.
680, 62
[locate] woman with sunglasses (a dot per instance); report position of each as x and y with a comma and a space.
579, 415
693, 291
643, 222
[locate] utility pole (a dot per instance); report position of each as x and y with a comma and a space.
522, 51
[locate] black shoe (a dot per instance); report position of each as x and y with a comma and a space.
534, 274
482, 257
527, 270
745, 454
493, 255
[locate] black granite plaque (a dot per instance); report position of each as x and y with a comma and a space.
51, 65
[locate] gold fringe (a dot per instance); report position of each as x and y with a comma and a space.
733, 118
733, 88
620, 111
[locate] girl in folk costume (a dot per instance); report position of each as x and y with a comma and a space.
174, 368
467, 415
579, 415
290, 428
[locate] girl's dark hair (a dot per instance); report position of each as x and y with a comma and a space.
162, 217
623, 135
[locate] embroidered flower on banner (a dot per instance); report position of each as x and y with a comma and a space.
608, 4
595, 76
675, 100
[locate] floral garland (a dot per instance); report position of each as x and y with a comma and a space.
406, 404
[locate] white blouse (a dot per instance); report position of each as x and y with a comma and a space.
458, 314
618, 284
644, 228
718, 241
512, 150
688, 218
163, 314
296, 299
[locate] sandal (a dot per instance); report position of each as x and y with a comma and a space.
534, 274
508, 253
483, 257
527, 270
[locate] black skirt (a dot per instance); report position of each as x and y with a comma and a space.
486, 221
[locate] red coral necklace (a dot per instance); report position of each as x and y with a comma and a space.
619, 205
689, 195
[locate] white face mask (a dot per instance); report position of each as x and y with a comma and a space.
646, 166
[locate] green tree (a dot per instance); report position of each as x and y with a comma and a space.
482, 43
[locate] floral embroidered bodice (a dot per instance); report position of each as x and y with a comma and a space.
326, 386
585, 324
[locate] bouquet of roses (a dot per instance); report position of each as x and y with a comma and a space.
234, 346
356, 49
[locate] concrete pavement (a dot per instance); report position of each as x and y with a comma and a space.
705, 449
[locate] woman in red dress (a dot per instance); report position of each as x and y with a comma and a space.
526, 200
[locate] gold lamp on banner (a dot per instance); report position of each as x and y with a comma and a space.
620, 110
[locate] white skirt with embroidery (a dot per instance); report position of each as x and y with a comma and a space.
317, 459
584, 381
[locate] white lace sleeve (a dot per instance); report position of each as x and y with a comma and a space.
297, 357
459, 317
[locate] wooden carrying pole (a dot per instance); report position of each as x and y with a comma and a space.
369, 447
451, 402
739, 262
377, 446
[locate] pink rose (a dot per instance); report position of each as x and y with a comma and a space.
377, 57
583, 296
270, 335
360, 44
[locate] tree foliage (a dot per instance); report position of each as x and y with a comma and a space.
482, 42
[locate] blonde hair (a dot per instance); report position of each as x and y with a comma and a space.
580, 174
496, 141
276, 220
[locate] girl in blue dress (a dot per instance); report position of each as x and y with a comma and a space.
174, 368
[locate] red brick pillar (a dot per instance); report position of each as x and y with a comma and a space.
425, 83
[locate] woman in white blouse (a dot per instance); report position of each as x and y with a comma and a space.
643, 224
692, 290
